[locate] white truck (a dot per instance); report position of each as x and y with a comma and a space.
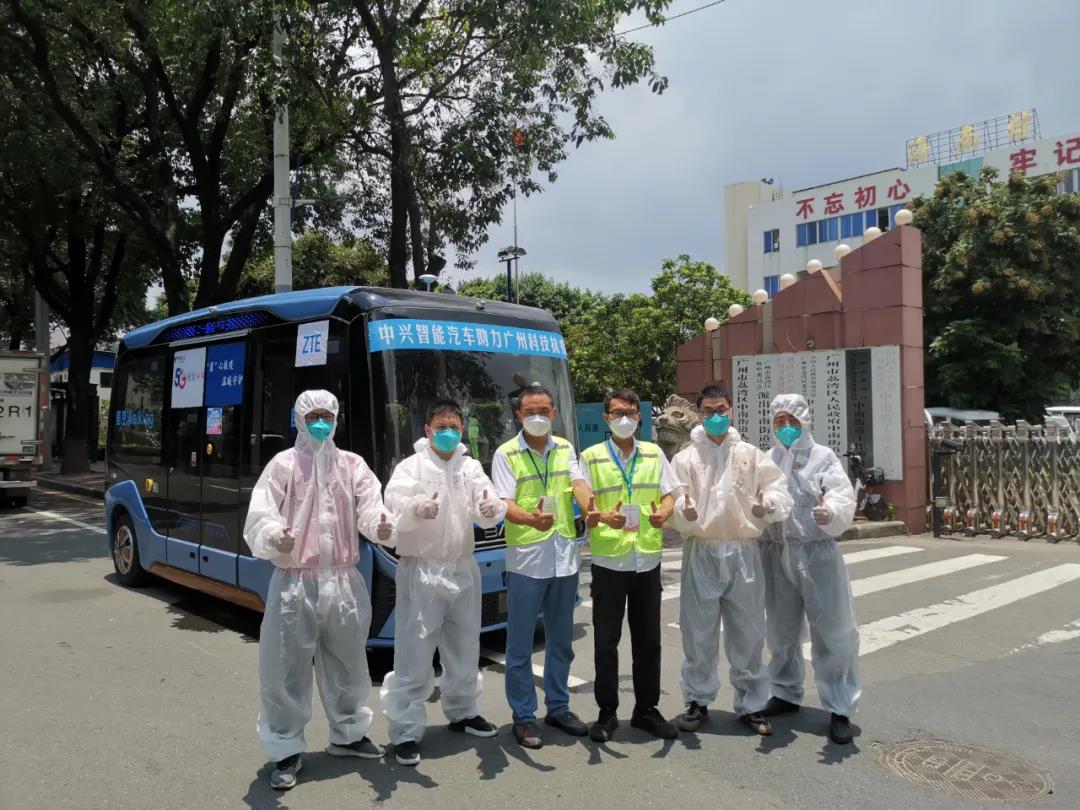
23, 399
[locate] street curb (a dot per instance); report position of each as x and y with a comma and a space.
876, 530
74, 489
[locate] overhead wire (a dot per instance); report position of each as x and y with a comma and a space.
669, 19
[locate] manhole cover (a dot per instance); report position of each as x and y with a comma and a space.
968, 771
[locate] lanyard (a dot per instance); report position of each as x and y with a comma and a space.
547, 458
627, 479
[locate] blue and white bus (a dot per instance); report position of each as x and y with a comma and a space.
201, 402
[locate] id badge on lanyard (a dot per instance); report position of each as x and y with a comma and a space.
548, 505
633, 517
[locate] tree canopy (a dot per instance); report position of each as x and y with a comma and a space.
1002, 305
626, 340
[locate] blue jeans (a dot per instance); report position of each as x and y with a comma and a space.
526, 597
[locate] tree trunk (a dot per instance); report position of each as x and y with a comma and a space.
416, 235
399, 211
77, 417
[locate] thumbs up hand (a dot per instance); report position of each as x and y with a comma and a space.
542, 521
488, 506
592, 514
385, 528
822, 514
657, 518
286, 542
759, 510
615, 518
428, 509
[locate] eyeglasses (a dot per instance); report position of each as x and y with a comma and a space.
723, 410
618, 414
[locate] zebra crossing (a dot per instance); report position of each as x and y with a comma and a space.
917, 572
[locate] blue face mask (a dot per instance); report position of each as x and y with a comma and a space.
717, 424
320, 429
788, 434
446, 440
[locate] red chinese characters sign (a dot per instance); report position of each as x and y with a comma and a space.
1068, 152
1021, 160
834, 203
899, 190
866, 196
806, 207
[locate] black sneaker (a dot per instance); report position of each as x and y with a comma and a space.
604, 727
757, 724
778, 706
365, 749
652, 721
283, 777
693, 717
840, 730
407, 753
528, 734
475, 725
569, 723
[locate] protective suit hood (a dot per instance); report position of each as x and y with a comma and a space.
797, 406
306, 403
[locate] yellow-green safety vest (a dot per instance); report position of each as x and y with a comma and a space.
535, 479
610, 486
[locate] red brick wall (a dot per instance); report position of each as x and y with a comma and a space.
877, 302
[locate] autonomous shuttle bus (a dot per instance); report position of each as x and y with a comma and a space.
201, 402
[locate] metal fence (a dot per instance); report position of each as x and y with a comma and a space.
1017, 480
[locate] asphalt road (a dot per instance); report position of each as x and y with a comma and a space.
148, 698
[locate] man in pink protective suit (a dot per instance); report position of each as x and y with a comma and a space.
304, 516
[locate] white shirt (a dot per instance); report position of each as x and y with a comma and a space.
557, 556
635, 560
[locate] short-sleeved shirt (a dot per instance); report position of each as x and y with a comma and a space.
557, 556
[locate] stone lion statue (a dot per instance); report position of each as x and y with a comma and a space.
677, 418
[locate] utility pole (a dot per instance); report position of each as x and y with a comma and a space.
282, 195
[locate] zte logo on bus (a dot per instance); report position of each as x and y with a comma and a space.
312, 344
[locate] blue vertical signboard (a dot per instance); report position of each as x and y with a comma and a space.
225, 374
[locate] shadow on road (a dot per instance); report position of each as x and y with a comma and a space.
59, 543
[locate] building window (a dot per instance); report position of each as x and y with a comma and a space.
772, 241
1070, 184
106, 379
851, 225
772, 285
800, 235
829, 230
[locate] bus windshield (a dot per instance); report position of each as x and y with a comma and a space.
484, 384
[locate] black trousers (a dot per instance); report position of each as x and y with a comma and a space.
638, 596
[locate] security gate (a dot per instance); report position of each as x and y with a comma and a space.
1017, 480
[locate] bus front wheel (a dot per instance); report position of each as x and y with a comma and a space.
125, 554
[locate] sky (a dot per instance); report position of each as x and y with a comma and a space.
803, 91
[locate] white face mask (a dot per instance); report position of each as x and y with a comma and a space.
623, 427
537, 425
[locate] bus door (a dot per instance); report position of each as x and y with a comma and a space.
182, 443
203, 448
223, 432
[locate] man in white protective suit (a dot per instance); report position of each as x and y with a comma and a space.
733, 490
305, 514
805, 574
436, 496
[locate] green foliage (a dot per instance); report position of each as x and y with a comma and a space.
318, 262
626, 339
1000, 268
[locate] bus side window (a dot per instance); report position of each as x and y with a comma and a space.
136, 432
